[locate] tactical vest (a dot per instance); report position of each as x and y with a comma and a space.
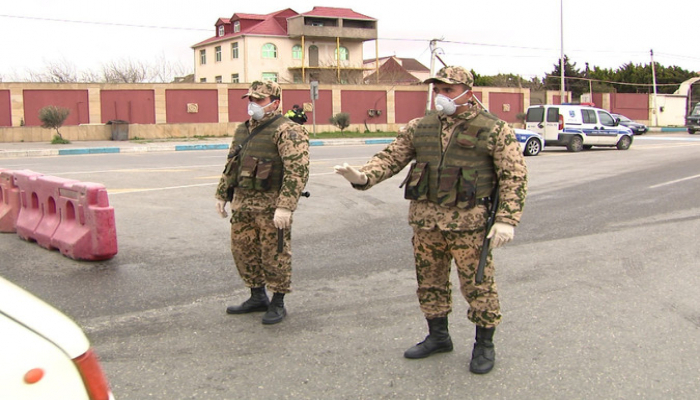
461, 174
260, 166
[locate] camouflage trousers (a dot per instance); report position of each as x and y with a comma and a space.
434, 251
254, 249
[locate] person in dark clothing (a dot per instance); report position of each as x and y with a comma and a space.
296, 114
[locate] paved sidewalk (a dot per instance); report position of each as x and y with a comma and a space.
37, 149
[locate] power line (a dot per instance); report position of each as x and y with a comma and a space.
102, 23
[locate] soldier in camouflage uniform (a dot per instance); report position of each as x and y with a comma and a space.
266, 170
460, 153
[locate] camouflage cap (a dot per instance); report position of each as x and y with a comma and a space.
452, 76
260, 90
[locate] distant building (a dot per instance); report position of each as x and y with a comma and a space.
324, 44
395, 70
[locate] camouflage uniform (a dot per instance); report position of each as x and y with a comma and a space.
253, 233
442, 233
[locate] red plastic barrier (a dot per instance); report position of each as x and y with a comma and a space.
87, 230
45, 190
9, 202
30, 212
71, 216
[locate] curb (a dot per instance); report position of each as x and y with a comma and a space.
174, 147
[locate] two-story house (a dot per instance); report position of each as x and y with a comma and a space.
324, 44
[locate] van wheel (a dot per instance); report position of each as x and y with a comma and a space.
624, 143
532, 147
575, 144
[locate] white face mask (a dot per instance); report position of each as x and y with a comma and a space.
447, 105
256, 111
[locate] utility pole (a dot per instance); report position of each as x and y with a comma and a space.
562, 85
433, 54
653, 77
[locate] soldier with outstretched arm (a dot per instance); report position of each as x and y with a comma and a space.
459, 155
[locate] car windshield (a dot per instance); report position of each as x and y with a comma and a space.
696, 111
623, 118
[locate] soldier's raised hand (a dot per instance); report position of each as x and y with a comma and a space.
353, 175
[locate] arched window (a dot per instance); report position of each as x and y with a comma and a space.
296, 52
344, 53
269, 50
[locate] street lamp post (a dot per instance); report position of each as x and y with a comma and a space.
561, 59
653, 77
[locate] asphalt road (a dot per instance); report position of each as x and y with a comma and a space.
598, 289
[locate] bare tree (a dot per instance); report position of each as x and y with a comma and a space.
125, 71
164, 71
61, 71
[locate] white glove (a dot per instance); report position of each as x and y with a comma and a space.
282, 218
351, 174
221, 208
501, 234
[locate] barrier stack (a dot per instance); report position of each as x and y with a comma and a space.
71, 216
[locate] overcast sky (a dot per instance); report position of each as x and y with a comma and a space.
499, 36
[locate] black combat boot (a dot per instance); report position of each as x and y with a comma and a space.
484, 353
437, 341
275, 311
258, 301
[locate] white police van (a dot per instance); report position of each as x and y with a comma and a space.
578, 127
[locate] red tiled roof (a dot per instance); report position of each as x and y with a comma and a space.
409, 64
249, 16
273, 24
336, 12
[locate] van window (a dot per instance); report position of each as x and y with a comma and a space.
589, 117
606, 119
534, 114
553, 115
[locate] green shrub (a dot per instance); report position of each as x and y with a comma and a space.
341, 120
53, 117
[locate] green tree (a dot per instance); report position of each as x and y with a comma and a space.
341, 120
53, 117
574, 79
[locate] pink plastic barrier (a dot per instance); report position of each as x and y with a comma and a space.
42, 206
87, 230
71, 216
30, 212
9, 202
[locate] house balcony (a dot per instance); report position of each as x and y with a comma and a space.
325, 27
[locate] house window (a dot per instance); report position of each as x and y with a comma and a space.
234, 78
269, 76
202, 80
217, 53
202, 57
269, 50
344, 53
221, 30
234, 50
296, 52
218, 79
237, 26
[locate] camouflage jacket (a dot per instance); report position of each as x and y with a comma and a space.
293, 145
509, 165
